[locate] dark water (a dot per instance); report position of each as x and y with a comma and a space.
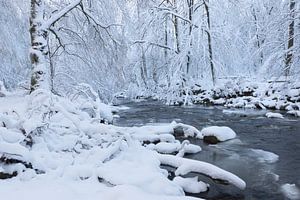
280, 136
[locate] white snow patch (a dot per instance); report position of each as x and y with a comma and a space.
222, 133
185, 166
274, 115
167, 148
191, 185
290, 191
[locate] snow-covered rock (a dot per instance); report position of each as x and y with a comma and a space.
168, 148
191, 185
274, 115
296, 113
215, 134
290, 191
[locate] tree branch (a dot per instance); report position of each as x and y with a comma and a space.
57, 16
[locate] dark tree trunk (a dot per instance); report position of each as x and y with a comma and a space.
291, 31
209, 40
191, 10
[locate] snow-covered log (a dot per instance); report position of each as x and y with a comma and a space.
185, 166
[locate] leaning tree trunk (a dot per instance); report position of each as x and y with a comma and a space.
291, 30
210, 50
40, 77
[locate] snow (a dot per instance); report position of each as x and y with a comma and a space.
49, 188
274, 115
185, 166
106, 112
291, 191
58, 15
168, 148
142, 171
10, 136
72, 151
191, 185
222, 133
265, 156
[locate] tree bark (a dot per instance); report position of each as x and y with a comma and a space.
39, 54
258, 39
291, 31
210, 50
176, 29
190, 13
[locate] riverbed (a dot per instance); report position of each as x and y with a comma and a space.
243, 155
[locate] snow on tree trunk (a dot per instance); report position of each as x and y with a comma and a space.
40, 77
39, 32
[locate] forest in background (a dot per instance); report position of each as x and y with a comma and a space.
138, 45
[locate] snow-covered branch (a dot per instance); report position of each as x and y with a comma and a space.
58, 15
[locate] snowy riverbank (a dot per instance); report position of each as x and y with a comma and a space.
272, 95
59, 148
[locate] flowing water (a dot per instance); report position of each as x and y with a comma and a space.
254, 130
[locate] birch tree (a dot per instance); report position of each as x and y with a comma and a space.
39, 33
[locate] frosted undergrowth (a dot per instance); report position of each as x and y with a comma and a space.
48, 138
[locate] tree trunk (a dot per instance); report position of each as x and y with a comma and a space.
40, 77
176, 29
210, 50
191, 9
291, 30
258, 40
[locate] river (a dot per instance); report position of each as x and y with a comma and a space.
254, 130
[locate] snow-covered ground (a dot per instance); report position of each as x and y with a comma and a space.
55, 148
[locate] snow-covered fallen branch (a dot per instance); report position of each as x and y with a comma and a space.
185, 166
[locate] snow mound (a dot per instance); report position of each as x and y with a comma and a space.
274, 115
265, 156
191, 185
222, 133
290, 191
141, 170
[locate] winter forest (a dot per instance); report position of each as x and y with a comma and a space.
150, 99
